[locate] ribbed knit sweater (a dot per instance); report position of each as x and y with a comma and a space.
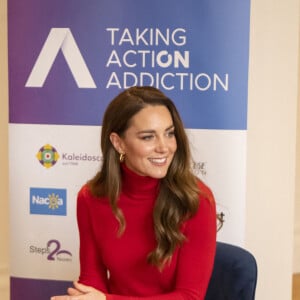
124, 258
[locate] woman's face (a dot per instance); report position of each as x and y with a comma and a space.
149, 143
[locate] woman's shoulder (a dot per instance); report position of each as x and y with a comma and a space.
206, 212
205, 191
85, 191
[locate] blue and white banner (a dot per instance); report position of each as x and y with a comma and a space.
67, 60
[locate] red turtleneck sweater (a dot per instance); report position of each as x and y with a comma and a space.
125, 257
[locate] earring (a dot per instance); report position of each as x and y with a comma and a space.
122, 157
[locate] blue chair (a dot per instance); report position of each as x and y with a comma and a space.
234, 275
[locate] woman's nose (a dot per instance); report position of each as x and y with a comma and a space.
161, 145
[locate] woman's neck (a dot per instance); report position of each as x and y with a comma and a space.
137, 186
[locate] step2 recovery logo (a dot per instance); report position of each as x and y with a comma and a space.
60, 39
52, 250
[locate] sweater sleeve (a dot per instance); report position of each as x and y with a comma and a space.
196, 256
92, 270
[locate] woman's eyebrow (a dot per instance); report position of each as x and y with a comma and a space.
153, 131
170, 127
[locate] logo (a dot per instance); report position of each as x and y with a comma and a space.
53, 251
45, 201
47, 156
60, 39
199, 168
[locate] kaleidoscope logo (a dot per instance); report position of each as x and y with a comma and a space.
47, 156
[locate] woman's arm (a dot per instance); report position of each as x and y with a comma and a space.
92, 270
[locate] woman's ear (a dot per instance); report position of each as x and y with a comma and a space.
117, 142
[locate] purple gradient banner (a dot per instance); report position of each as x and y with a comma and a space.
68, 59
36, 289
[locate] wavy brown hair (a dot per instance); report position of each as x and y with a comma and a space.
178, 198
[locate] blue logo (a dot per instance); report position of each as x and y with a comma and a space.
48, 201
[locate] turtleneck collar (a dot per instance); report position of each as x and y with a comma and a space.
138, 187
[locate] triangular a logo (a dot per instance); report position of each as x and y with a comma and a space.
60, 39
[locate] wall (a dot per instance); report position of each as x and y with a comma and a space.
272, 114
297, 202
3, 157
271, 145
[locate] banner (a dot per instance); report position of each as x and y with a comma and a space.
67, 60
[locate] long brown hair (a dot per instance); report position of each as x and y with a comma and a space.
178, 198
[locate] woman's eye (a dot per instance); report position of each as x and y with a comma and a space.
147, 137
171, 133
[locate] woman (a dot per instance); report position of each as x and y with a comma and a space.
147, 225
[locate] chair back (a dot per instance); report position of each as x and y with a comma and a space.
234, 274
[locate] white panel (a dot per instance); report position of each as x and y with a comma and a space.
223, 155
30, 233
219, 159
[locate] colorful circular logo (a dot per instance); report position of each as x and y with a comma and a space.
47, 156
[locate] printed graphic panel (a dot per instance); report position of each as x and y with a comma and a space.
44, 236
68, 59
44, 241
220, 161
